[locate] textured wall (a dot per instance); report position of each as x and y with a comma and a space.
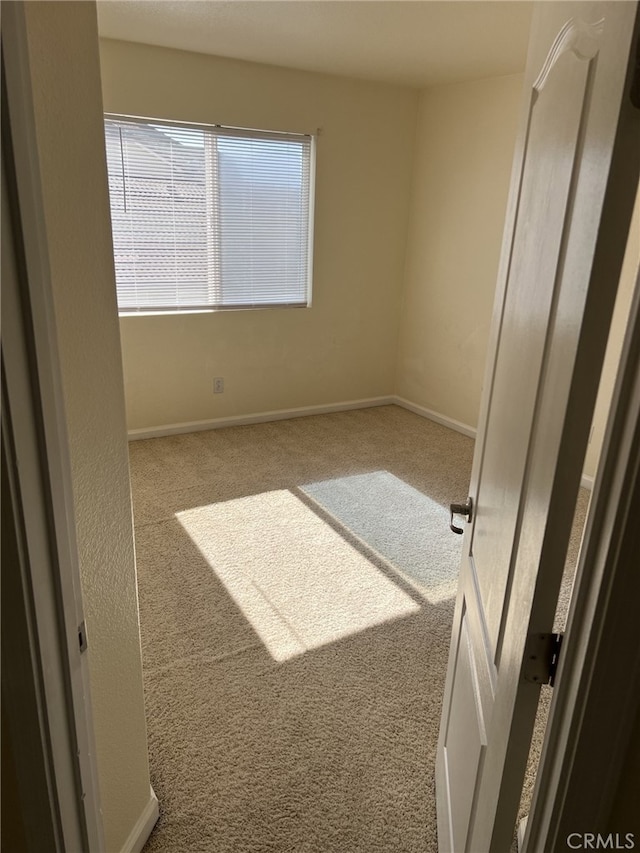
341, 348
464, 149
63, 49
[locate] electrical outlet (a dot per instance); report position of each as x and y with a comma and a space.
218, 385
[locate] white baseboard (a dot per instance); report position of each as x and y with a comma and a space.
458, 426
258, 418
522, 828
586, 482
143, 826
284, 414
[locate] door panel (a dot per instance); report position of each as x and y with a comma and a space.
466, 736
553, 305
551, 144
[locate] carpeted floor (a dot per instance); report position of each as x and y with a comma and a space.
296, 584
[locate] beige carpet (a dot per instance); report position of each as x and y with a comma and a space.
296, 585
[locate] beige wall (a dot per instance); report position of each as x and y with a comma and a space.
614, 345
343, 348
63, 50
465, 140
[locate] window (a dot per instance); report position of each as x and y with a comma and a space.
208, 217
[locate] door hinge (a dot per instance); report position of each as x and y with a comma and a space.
542, 653
82, 636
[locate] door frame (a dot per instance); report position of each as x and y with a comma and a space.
595, 707
588, 735
45, 673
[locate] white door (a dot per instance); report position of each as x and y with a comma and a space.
572, 190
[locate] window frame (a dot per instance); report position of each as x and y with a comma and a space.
250, 133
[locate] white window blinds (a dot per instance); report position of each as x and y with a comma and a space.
208, 217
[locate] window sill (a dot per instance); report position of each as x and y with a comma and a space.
179, 312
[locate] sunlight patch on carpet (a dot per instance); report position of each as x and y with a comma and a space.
408, 529
296, 580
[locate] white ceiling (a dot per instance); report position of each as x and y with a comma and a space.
410, 42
